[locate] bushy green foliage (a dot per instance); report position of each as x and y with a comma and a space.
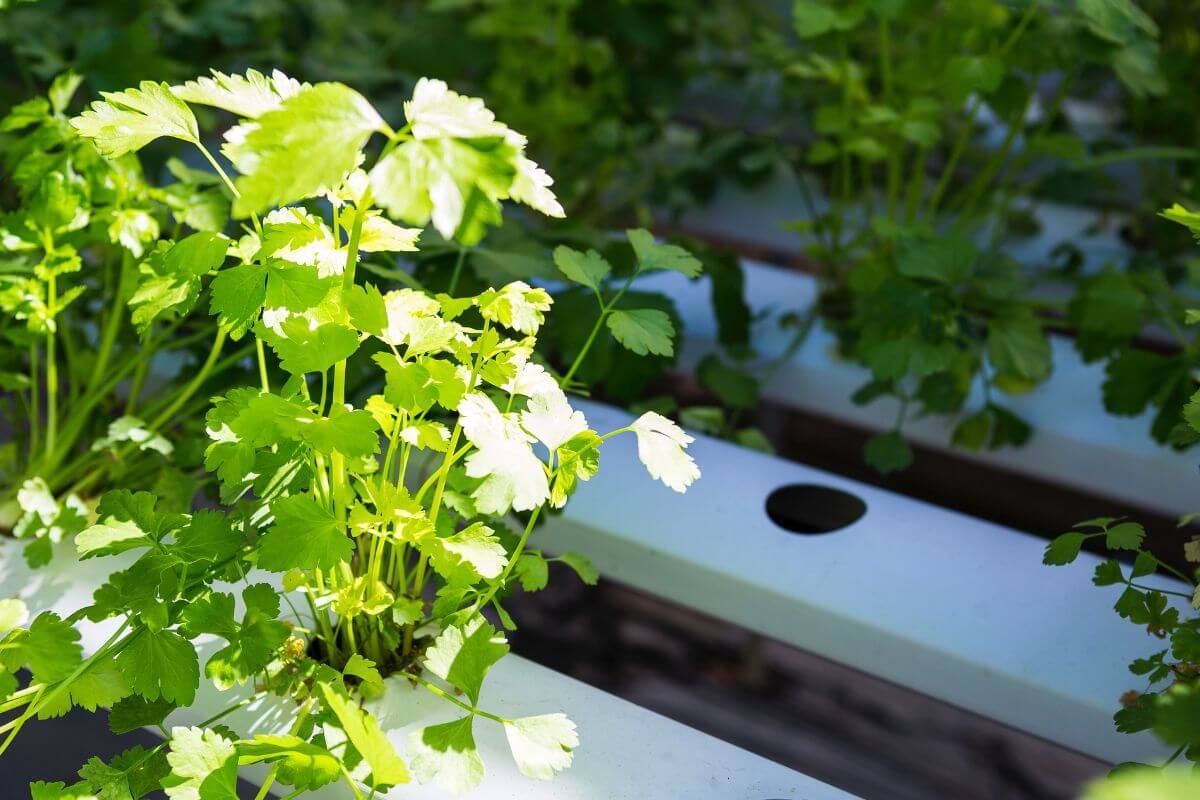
383, 511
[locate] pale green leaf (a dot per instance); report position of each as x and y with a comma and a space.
541, 745
127, 121
387, 769
301, 149
445, 754
203, 766
462, 654
249, 96
301, 764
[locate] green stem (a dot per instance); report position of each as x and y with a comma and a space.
112, 324
337, 460
967, 199
34, 404
217, 167
165, 415
40, 701
194, 385
973, 112
916, 185
442, 693
512, 562
51, 367
960, 145
605, 310
262, 364
458, 265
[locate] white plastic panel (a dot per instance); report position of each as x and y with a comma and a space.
948, 605
626, 751
1075, 441
759, 216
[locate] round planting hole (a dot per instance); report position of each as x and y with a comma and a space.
811, 509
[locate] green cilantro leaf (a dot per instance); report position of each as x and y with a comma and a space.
1063, 549
888, 452
643, 331
305, 535
161, 664
468, 555
248, 96
1108, 573
353, 433
134, 711
49, 646
109, 538
236, 297
302, 349
131, 775
583, 567
651, 255
947, 260
532, 571
589, 269
1017, 345
1124, 536
364, 668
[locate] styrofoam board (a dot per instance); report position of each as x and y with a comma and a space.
1075, 441
626, 751
945, 604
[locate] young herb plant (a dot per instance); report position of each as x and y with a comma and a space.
94, 253
1169, 703
910, 246
380, 521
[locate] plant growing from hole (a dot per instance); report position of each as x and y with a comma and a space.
100, 273
1169, 702
911, 246
383, 529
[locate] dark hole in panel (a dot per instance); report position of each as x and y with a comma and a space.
811, 509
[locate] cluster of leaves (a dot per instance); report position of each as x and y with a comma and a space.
94, 253
911, 249
1111, 309
1169, 703
378, 517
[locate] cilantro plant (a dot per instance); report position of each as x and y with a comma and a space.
100, 272
380, 522
1168, 702
911, 247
